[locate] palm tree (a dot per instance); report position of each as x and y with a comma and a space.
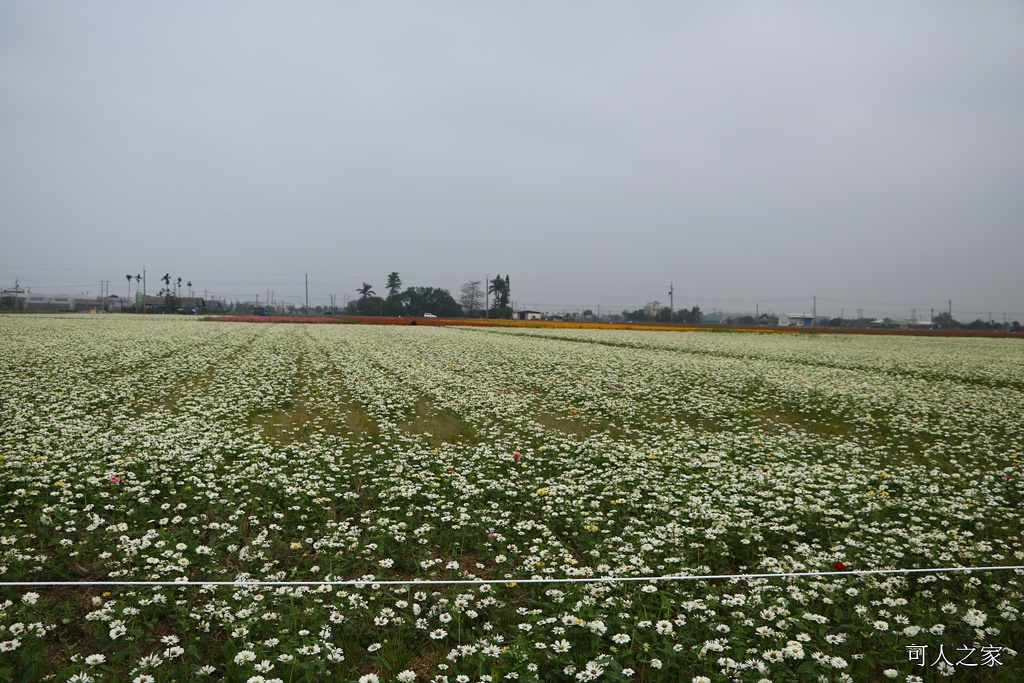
178, 287
129, 277
138, 283
189, 285
166, 291
497, 288
365, 292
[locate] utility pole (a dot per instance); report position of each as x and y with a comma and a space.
671, 303
950, 314
143, 289
487, 298
307, 294
814, 312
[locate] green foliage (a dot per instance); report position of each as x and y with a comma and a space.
501, 290
394, 284
366, 290
367, 305
419, 300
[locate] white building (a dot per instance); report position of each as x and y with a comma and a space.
528, 315
795, 320
653, 308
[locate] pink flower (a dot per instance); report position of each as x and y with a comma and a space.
516, 456
116, 480
492, 535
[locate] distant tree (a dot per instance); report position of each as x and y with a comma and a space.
189, 285
394, 284
129, 286
368, 305
471, 297
945, 320
178, 287
439, 302
166, 279
690, 316
366, 290
501, 288
171, 302
588, 313
393, 304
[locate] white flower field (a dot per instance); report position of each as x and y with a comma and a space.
174, 449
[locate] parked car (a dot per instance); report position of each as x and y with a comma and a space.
189, 310
429, 315
261, 312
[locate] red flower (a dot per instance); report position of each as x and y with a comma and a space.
840, 566
516, 456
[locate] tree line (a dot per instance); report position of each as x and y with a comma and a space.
473, 301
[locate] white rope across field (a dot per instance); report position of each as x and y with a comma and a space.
451, 582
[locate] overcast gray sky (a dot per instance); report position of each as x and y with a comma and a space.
869, 153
